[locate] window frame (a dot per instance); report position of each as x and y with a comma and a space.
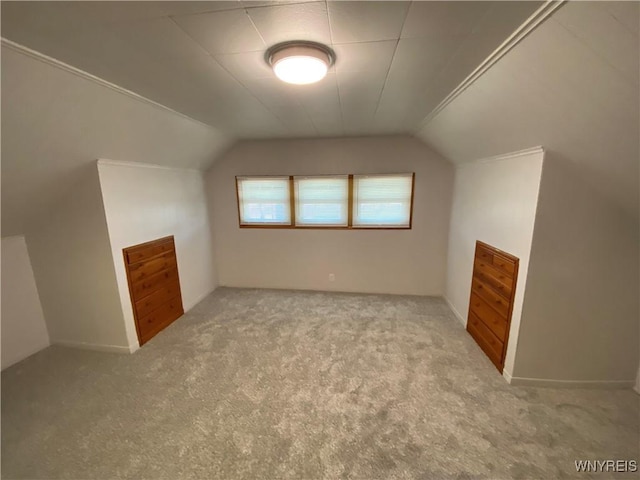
349, 226
294, 219
263, 225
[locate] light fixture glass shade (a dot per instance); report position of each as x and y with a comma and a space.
300, 64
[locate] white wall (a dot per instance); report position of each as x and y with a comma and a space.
24, 330
494, 201
378, 261
580, 321
144, 202
73, 268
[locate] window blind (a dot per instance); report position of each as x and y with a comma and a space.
322, 200
382, 200
264, 200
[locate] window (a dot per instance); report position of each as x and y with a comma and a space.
264, 200
329, 201
382, 200
322, 201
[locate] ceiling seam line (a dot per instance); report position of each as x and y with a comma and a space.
449, 61
212, 57
255, 27
597, 54
395, 49
342, 124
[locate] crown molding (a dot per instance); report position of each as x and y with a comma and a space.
535, 20
121, 163
504, 156
41, 57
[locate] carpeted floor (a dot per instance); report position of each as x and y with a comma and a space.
302, 385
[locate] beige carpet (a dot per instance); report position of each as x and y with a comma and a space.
301, 385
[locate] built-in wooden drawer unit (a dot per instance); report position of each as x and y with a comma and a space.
491, 318
493, 287
154, 286
486, 339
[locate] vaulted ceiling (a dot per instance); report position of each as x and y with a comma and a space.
570, 84
395, 60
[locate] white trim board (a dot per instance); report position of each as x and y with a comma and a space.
121, 163
539, 150
551, 383
455, 312
96, 347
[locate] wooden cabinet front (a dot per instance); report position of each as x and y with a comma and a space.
493, 288
154, 286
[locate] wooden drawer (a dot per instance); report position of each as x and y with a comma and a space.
488, 294
144, 270
499, 280
496, 322
142, 253
157, 298
504, 264
487, 340
158, 319
148, 285
483, 253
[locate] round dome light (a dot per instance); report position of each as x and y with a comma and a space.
300, 63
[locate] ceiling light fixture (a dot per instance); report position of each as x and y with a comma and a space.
300, 62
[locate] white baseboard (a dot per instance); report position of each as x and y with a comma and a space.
455, 312
93, 346
546, 382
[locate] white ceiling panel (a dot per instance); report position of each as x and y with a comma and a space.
229, 31
502, 16
160, 37
295, 119
366, 22
125, 11
246, 66
272, 92
424, 58
322, 104
370, 57
300, 21
355, 90
443, 18
600, 33
627, 13
267, 3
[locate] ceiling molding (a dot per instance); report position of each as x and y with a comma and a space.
505, 156
16, 47
122, 163
538, 17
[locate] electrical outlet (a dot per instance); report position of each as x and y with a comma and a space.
332, 277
